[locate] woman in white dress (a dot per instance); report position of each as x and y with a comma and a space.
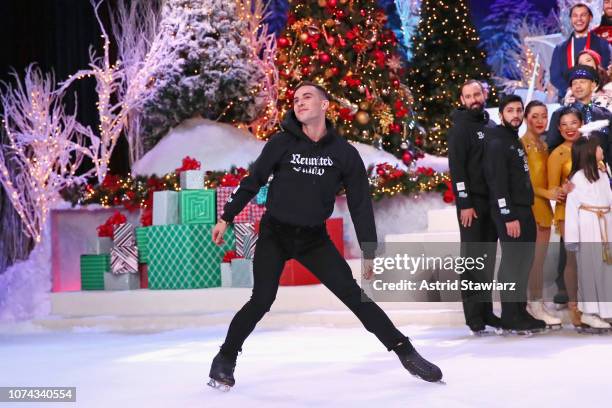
588, 222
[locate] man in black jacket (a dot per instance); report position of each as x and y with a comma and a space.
466, 140
511, 198
309, 162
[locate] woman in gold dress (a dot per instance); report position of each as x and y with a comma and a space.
536, 116
559, 168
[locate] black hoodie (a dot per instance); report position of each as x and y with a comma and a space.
465, 151
507, 172
307, 176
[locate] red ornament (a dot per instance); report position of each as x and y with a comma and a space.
379, 43
335, 70
324, 58
305, 71
340, 14
381, 172
331, 41
395, 83
362, 12
418, 141
283, 42
407, 158
395, 128
332, 3
305, 60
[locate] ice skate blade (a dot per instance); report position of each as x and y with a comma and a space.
483, 333
554, 327
441, 382
521, 333
591, 330
218, 385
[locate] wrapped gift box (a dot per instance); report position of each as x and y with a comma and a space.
93, 268
123, 235
242, 273
226, 275
295, 273
192, 180
262, 196
246, 239
142, 243
124, 260
197, 207
102, 245
223, 194
165, 207
256, 212
123, 281
144, 275
184, 256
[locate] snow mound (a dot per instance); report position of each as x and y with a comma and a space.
218, 146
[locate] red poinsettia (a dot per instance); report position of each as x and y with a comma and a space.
188, 164
106, 229
449, 196
229, 255
111, 182
426, 171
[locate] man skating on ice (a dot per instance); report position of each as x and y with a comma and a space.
309, 162
466, 141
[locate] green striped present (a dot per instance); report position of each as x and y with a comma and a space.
142, 242
92, 271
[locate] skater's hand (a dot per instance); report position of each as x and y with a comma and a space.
560, 195
218, 231
568, 186
467, 215
513, 229
367, 269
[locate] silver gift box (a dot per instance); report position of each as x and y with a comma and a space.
242, 273
123, 281
192, 180
165, 207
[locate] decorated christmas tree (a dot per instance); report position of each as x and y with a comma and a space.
213, 66
445, 55
345, 46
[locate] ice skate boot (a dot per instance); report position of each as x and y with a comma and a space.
593, 324
538, 311
222, 373
415, 364
514, 321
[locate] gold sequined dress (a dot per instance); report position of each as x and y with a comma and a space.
537, 157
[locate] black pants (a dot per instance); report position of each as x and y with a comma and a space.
477, 240
311, 246
517, 255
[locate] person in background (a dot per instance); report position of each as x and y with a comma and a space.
565, 55
536, 116
511, 198
604, 30
478, 235
587, 222
559, 168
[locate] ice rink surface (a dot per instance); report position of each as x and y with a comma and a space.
306, 367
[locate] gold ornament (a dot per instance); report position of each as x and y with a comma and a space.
303, 37
322, 3
328, 73
343, 1
283, 58
364, 106
329, 23
362, 118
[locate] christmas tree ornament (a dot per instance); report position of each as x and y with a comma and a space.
363, 118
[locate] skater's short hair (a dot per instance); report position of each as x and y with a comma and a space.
322, 91
577, 5
507, 99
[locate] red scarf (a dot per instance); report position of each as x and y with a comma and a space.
570, 50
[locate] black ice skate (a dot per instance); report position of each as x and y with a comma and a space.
417, 365
517, 321
222, 373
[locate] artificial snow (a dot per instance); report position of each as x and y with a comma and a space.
218, 146
316, 366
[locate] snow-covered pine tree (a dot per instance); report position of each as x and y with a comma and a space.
500, 34
210, 71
